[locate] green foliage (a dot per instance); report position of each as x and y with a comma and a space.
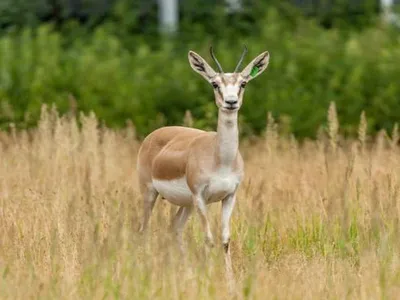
120, 75
21, 12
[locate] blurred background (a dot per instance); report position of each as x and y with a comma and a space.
127, 60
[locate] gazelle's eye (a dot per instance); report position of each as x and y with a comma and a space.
243, 84
215, 85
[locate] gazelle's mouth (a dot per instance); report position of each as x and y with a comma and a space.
230, 108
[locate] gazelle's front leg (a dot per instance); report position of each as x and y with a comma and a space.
227, 207
201, 207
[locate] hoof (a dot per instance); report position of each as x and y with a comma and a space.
226, 247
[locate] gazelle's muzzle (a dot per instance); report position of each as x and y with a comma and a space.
231, 102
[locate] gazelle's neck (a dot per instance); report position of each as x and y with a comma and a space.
227, 137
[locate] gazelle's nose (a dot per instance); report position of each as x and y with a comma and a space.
231, 100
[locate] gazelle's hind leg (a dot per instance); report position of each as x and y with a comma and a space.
178, 223
149, 195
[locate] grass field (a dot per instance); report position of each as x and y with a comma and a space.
314, 220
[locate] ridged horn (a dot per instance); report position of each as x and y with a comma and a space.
241, 59
215, 59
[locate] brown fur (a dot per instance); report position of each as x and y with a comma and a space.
164, 155
172, 164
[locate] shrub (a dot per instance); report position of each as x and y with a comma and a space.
122, 76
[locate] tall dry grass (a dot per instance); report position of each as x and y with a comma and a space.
317, 219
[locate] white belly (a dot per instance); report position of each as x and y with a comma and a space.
176, 191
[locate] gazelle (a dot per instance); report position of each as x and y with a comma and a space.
191, 167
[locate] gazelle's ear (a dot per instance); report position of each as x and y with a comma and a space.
256, 67
200, 65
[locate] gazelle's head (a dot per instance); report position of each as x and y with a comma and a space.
229, 87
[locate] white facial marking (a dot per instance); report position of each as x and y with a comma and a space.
230, 92
229, 95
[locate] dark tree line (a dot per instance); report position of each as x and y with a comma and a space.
28, 12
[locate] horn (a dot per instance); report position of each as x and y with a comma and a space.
215, 59
241, 59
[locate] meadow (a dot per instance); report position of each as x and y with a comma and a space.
315, 219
